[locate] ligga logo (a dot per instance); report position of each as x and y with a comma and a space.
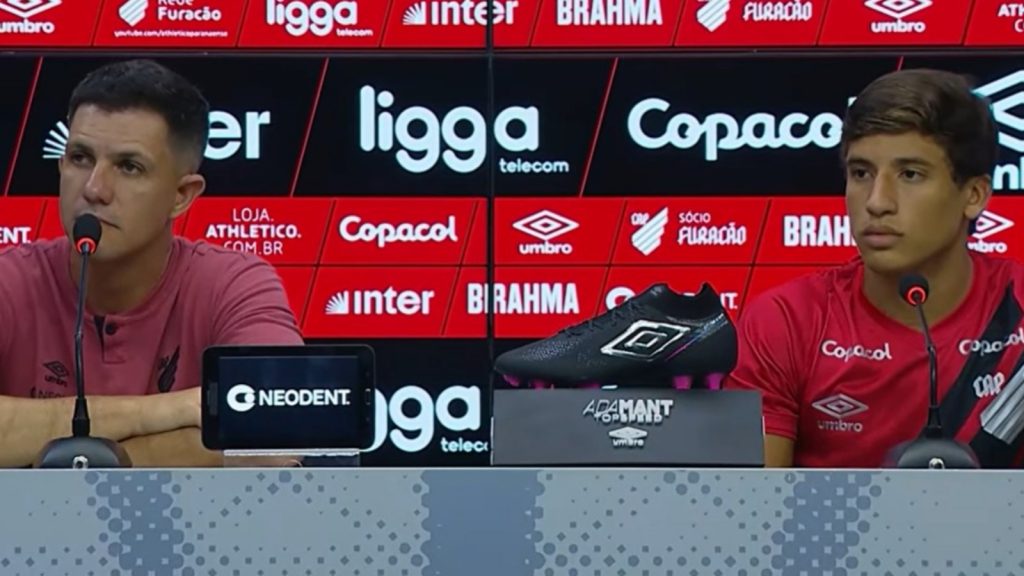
423, 138
457, 409
320, 18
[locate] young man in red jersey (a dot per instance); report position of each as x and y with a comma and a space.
838, 355
137, 135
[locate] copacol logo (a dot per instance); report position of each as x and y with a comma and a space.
652, 126
414, 413
242, 397
458, 138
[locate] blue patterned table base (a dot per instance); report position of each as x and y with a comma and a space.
511, 522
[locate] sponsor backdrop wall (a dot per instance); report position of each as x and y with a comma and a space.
355, 161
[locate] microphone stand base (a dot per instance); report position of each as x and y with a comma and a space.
80, 452
933, 454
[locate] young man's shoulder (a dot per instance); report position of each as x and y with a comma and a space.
1001, 269
806, 295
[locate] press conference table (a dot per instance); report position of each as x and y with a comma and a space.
497, 522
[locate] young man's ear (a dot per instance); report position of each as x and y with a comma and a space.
978, 191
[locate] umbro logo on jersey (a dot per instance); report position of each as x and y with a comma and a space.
645, 340
840, 407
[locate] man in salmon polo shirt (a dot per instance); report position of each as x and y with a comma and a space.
138, 132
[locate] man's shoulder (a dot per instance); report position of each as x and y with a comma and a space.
1000, 267
201, 255
27, 264
213, 270
31, 253
808, 293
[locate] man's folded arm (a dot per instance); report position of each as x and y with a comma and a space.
27, 424
767, 362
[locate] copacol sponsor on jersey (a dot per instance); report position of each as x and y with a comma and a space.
456, 409
847, 353
458, 138
721, 131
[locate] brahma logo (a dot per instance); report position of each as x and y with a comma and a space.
421, 135
545, 225
897, 10
713, 14
1006, 94
721, 131
825, 230
228, 136
524, 298
645, 340
989, 224
458, 13
26, 9
609, 13
840, 407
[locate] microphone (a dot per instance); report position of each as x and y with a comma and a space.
932, 450
80, 450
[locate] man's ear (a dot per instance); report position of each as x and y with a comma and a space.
190, 187
979, 191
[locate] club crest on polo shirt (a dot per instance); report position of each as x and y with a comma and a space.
847, 353
168, 371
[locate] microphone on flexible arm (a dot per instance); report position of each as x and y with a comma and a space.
932, 450
80, 450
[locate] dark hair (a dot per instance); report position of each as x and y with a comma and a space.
148, 85
934, 103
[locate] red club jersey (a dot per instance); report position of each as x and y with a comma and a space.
847, 383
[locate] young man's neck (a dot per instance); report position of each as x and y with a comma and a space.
949, 281
120, 286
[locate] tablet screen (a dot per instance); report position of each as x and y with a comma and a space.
290, 402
